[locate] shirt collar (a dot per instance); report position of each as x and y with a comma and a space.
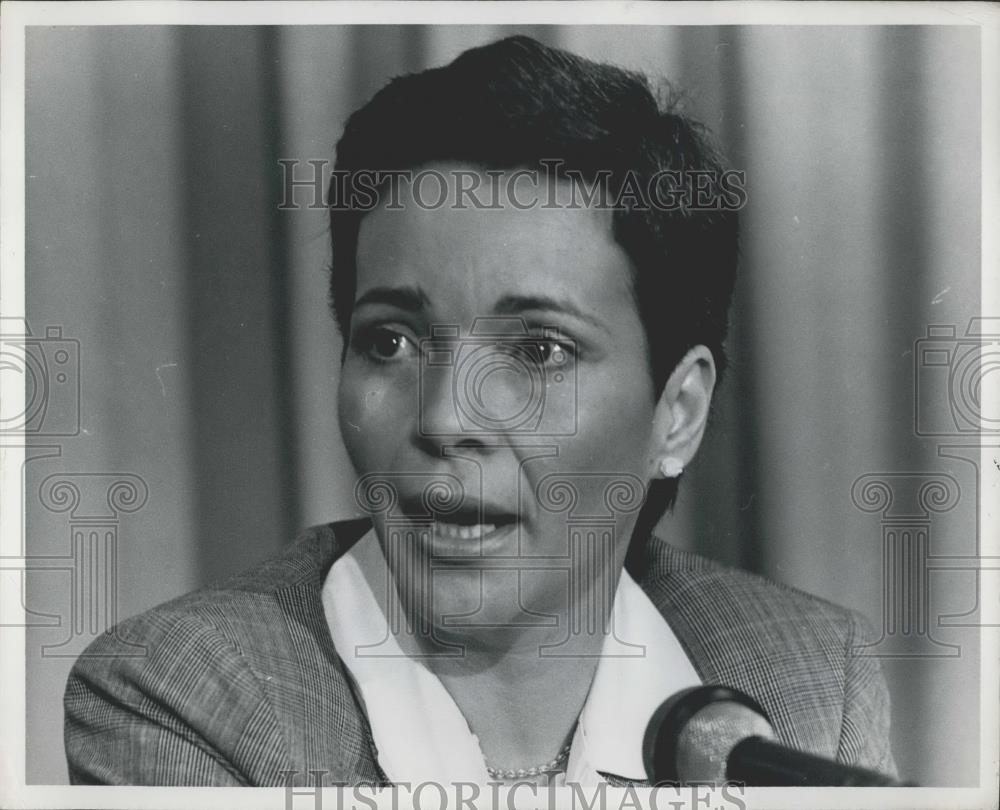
418, 730
642, 664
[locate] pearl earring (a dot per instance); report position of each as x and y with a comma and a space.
671, 467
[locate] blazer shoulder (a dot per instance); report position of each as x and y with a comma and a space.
679, 581
238, 660
165, 698
800, 656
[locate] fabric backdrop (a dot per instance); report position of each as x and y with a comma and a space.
208, 360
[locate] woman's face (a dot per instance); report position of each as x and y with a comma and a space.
538, 373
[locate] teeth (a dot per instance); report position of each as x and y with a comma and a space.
453, 531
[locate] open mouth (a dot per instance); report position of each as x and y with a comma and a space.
457, 531
472, 524
472, 521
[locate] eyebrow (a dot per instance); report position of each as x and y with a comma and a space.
410, 299
515, 304
414, 299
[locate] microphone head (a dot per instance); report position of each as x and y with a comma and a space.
704, 743
689, 738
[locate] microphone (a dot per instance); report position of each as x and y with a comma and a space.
713, 734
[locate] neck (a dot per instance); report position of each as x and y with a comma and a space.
522, 703
523, 707
520, 679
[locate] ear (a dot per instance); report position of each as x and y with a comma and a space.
682, 410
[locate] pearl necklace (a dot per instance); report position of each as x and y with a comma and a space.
554, 764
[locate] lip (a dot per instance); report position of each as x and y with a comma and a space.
461, 542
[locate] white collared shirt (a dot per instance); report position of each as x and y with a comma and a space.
419, 732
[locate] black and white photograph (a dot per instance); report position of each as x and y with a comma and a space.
579, 405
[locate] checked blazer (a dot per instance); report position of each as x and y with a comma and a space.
240, 683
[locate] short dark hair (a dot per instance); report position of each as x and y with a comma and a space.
517, 103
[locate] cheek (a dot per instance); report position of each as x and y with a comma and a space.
369, 426
605, 464
615, 422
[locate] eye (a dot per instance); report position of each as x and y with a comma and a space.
549, 352
554, 352
383, 344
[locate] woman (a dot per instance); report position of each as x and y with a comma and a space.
532, 268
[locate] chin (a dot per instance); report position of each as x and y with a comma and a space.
474, 604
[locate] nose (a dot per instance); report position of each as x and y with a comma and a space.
439, 423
